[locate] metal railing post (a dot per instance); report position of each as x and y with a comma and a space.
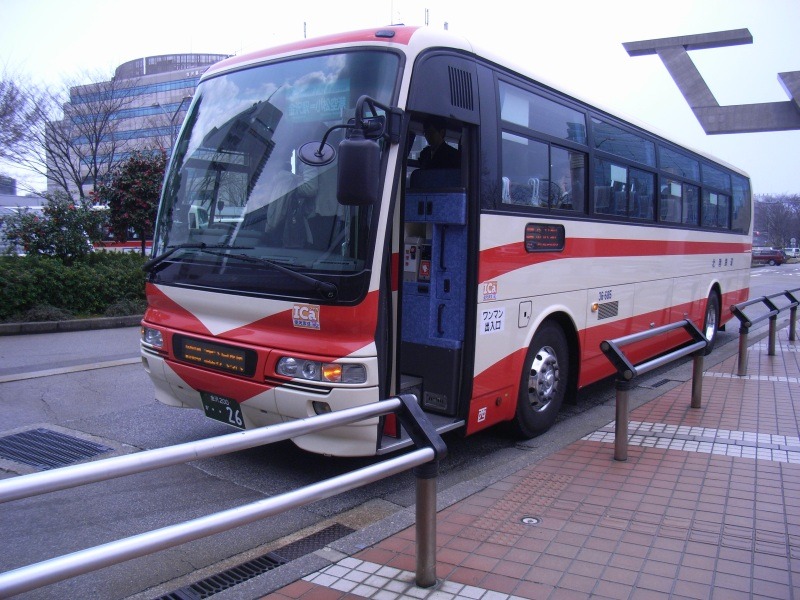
430, 448
793, 303
426, 523
627, 371
742, 371
697, 380
773, 329
623, 387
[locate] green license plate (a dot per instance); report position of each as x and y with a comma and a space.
222, 409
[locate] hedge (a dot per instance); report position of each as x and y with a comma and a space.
99, 284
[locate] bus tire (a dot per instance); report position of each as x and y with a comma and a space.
543, 384
711, 321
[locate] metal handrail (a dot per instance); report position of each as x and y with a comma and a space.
424, 461
773, 310
627, 371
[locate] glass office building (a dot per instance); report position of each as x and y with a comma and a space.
140, 108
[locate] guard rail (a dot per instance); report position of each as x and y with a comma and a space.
430, 449
767, 303
627, 371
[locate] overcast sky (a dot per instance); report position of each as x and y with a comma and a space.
572, 43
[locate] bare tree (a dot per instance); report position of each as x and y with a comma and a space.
17, 116
777, 218
92, 114
74, 139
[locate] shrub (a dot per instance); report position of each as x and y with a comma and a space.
64, 229
87, 287
126, 307
45, 312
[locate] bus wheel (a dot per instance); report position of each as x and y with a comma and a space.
544, 382
711, 321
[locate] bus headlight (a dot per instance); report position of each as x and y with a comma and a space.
152, 337
311, 370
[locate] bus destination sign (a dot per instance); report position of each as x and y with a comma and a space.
228, 359
544, 237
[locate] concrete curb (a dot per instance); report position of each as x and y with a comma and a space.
71, 325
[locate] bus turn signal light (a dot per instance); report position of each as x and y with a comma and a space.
311, 370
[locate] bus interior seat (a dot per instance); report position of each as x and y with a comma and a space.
506, 190
670, 210
619, 203
643, 206
526, 194
533, 182
602, 199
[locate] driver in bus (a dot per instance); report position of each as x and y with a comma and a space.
438, 154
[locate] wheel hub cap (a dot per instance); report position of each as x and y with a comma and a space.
543, 379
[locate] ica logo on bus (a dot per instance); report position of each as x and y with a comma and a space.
305, 316
489, 291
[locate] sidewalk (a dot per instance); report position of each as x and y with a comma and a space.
706, 506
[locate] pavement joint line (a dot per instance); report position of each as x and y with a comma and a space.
371, 580
66, 370
706, 440
775, 378
786, 347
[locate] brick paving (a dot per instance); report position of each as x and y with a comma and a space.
707, 506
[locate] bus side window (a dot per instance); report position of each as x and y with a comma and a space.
602, 199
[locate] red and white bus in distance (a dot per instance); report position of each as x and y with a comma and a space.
316, 248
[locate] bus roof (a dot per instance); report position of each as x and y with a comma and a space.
393, 35
415, 40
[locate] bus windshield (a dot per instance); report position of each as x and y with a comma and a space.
236, 185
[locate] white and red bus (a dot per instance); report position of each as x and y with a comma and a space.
310, 255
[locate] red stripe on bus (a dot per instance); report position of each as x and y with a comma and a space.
510, 257
496, 389
402, 35
342, 329
204, 380
164, 312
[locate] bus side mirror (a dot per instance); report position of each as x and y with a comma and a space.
359, 170
359, 153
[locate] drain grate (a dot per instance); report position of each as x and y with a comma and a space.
46, 449
258, 566
227, 579
313, 542
654, 385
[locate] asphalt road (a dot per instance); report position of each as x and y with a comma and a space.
90, 385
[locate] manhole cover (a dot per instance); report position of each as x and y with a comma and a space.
46, 449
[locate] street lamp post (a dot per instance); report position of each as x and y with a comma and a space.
173, 133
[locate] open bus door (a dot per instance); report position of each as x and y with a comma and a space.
432, 337
433, 329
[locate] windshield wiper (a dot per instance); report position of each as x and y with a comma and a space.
326, 289
151, 264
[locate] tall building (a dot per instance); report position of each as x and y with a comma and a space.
140, 108
8, 186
